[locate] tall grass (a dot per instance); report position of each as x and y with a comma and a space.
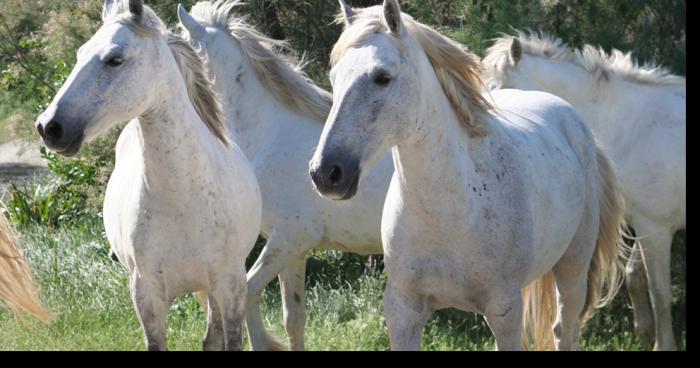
88, 290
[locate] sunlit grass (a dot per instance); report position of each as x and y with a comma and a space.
89, 293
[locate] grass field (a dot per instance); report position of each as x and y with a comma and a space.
88, 292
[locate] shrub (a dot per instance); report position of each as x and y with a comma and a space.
71, 193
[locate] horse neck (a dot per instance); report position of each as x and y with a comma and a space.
254, 113
570, 82
435, 159
176, 143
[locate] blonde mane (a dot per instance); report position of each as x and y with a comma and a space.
456, 68
192, 66
286, 82
594, 60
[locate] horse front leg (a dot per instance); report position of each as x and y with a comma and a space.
280, 251
504, 315
152, 310
229, 294
292, 280
656, 252
214, 338
405, 317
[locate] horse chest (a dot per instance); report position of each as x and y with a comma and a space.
445, 246
154, 230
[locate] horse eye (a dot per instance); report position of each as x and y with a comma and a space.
115, 62
382, 79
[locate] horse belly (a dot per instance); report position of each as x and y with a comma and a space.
653, 175
353, 229
292, 203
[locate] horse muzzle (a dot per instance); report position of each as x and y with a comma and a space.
60, 137
336, 179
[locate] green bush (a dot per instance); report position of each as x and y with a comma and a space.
59, 199
71, 193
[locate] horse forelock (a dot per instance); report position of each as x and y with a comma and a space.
456, 69
283, 78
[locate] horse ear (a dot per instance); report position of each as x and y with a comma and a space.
136, 7
107, 7
348, 13
189, 23
392, 16
516, 50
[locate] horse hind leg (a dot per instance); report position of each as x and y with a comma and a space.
571, 277
214, 337
656, 252
292, 281
638, 290
151, 307
571, 281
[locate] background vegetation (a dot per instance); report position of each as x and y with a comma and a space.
59, 213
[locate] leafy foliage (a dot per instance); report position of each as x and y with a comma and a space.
70, 194
38, 38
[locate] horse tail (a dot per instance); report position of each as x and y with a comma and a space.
17, 287
539, 312
605, 273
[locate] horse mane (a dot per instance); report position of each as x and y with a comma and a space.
595, 61
200, 88
277, 73
456, 68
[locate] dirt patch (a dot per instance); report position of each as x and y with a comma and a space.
18, 163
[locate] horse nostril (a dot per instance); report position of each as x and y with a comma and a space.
336, 175
54, 131
40, 130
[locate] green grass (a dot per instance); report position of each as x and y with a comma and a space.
88, 291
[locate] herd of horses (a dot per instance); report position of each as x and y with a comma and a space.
500, 186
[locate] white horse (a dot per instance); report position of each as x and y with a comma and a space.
482, 203
277, 116
182, 208
638, 113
